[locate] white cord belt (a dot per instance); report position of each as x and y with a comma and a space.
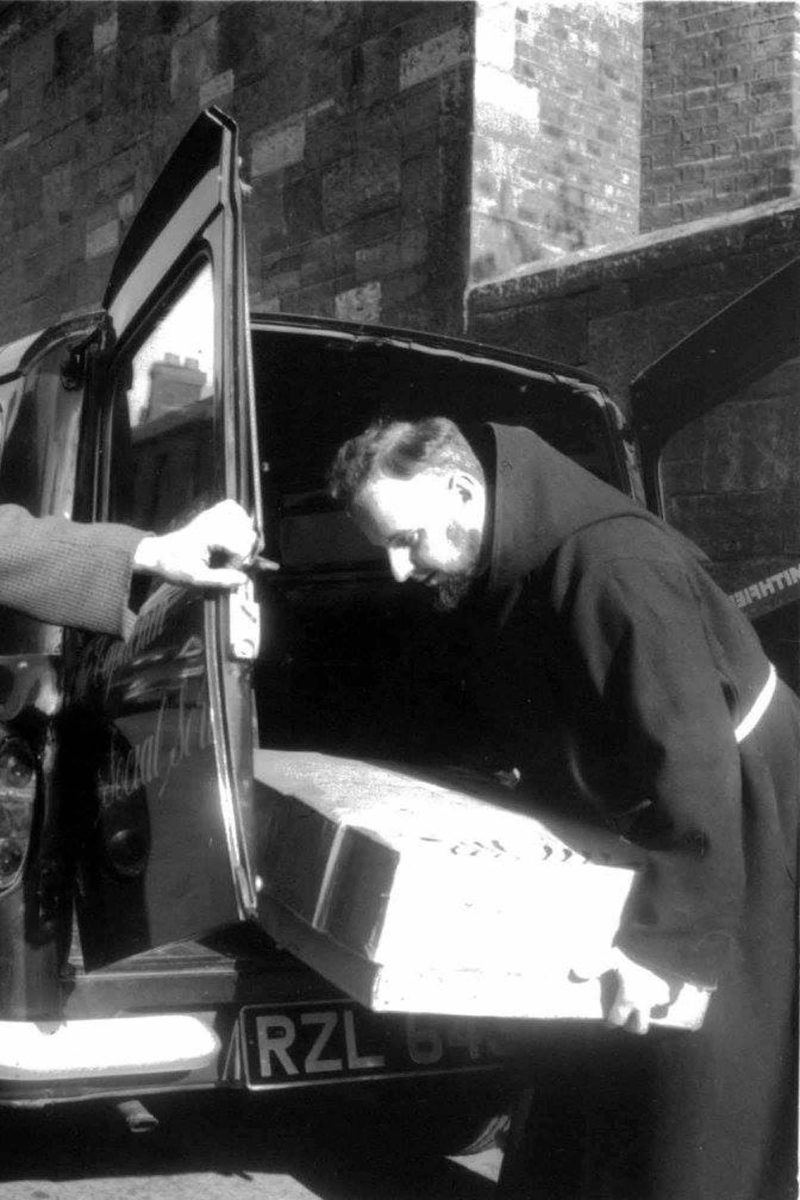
760, 706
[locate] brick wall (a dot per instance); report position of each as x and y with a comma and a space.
556, 145
354, 120
719, 108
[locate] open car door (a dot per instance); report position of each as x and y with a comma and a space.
157, 747
717, 419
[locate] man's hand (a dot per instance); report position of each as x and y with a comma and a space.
638, 992
184, 556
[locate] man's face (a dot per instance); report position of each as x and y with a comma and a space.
431, 527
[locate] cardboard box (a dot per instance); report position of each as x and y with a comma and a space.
420, 893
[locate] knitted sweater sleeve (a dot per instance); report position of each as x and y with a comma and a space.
67, 573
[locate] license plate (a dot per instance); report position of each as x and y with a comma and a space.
336, 1041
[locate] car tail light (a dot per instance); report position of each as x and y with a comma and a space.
17, 795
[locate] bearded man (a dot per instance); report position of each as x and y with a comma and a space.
650, 700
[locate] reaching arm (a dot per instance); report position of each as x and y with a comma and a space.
67, 573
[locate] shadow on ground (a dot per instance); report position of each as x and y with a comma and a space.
325, 1152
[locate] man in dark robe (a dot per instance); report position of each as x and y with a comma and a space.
629, 690
69, 573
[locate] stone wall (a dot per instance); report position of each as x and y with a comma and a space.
719, 128
397, 151
354, 120
556, 130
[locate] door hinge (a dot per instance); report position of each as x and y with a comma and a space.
73, 369
244, 624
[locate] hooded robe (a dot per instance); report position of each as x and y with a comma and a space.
615, 676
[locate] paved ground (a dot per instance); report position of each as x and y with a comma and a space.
200, 1152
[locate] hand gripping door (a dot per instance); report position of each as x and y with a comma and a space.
159, 725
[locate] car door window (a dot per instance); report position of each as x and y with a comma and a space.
729, 481
40, 442
161, 462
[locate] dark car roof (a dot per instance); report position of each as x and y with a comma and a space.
263, 319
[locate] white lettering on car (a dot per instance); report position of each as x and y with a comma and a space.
327, 1023
106, 656
182, 731
275, 1035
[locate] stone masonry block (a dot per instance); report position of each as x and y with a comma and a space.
420, 109
278, 146
421, 190
378, 68
361, 184
456, 90
360, 303
122, 172
381, 259
433, 56
406, 285
316, 299
302, 202
102, 239
329, 257
10, 29
104, 34
331, 25
217, 89
193, 59
420, 24
15, 144
414, 245
250, 36
57, 190
329, 137
377, 227
30, 61
264, 210
280, 283
378, 127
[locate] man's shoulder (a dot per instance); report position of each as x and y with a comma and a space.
627, 555
628, 537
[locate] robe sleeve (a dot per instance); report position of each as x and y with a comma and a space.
67, 573
638, 628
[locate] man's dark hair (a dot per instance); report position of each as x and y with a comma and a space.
400, 449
